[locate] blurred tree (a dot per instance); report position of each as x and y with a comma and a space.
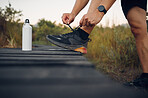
45, 27
10, 28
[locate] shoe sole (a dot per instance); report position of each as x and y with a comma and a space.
70, 47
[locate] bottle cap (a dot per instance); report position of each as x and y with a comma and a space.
27, 21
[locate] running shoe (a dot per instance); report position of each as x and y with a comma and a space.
70, 41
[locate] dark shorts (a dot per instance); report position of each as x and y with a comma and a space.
128, 4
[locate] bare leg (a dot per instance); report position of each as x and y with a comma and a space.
137, 20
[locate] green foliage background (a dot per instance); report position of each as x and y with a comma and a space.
10, 27
45, 27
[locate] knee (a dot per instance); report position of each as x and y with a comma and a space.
137, 21
138, 29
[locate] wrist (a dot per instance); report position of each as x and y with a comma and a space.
100, 13
74, 14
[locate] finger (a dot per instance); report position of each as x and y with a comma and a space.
92, 23
67, 21
88, 23
81, 22
85, 21
70, 20
64, 19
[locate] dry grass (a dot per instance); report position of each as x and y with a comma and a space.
113, 51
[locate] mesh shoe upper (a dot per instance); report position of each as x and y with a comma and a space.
68, 40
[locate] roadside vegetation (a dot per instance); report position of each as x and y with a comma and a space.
10, 27
112, 50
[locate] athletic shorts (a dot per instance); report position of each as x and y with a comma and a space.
128, 4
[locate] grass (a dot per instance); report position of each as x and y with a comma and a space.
113, 51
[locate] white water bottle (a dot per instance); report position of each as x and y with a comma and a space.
26, 36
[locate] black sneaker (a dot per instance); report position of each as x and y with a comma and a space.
140, 82
70, 41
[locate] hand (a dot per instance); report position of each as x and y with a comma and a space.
91, 19
68, 18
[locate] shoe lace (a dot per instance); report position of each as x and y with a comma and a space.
73, 29
71, 34
74, 32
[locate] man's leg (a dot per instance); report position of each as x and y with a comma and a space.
137, 20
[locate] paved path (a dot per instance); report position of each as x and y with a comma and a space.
53, 72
